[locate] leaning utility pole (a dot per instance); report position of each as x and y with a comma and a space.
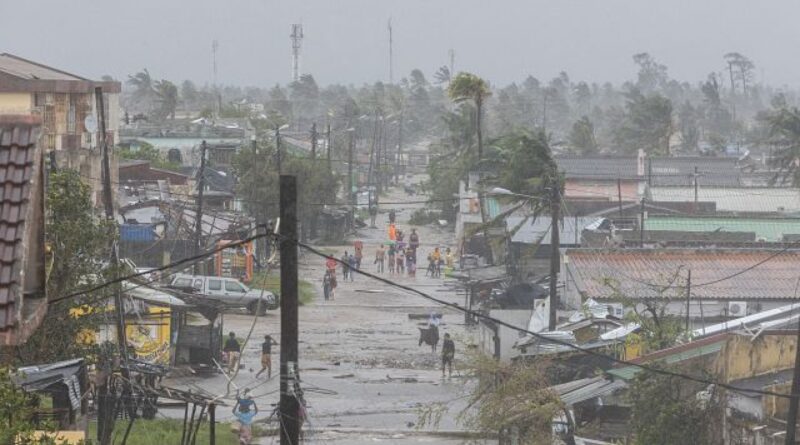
555, 258
791, 419
289, 404
106, 420
198, 215
278, 155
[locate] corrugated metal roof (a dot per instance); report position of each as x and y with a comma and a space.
769, 229
585, 389
29, 70
670, 171
732, 199
598, 167
17, 169
681, 353
532, 231
762, 273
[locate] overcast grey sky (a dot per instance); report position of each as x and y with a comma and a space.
346, 40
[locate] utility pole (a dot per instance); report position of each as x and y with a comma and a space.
108, 417
350, 196
289, 403
791, 420
278, 154
555, 253
313, 141
688, 297
641, 225
391, 61
399, 159
619, 196
198, 215
695, 189
329, 143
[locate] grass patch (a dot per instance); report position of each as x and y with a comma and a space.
165, 431
273, 284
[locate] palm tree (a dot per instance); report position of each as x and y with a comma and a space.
467, 86
167, 94
442, 75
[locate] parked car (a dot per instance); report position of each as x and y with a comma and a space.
229, 291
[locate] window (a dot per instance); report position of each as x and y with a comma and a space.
232, 286
183, 282
214, 284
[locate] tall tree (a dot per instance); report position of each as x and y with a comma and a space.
467, 86
582, 138
652, 75
784, 136
647, 123
739, 68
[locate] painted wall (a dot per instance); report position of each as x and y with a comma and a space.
602, 190
508, 336
743, 357
15, 103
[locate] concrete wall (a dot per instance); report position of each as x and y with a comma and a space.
602, 190
744, 357
508, 336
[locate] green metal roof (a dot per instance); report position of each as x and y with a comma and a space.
629, 372
766, 228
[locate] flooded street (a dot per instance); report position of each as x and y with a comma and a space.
365, 375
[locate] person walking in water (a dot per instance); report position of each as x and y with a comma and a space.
233, 351
380, 258
345, 266
353, 262
413, 240
266, 356
245, 410
448, 353
392, 253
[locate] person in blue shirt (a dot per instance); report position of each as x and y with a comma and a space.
245, 410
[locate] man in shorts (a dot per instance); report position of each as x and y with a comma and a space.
448, 353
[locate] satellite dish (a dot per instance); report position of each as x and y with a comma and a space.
90, 123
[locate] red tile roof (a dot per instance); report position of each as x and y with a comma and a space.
772, 274
17, 168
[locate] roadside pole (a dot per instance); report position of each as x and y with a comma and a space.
106, 421
313, 140
555, 253
351, 201
198, 215
289, 404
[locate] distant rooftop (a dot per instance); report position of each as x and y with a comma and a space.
743, 274
23, 75
767, 229
734, 199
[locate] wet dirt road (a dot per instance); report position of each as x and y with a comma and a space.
365, 376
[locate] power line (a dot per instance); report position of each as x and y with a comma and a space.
549, 339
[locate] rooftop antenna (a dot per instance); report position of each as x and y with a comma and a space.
297, 41
391, 67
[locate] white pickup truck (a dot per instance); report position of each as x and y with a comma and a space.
229, 291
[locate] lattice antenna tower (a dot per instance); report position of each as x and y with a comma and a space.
297, 43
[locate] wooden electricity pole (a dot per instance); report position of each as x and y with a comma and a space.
198, 216
106, 420
289, 403
314, 140
555, 253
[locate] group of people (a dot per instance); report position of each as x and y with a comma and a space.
245, 408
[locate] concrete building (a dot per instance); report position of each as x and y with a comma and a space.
63, 101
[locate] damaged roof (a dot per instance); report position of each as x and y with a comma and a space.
18, 74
